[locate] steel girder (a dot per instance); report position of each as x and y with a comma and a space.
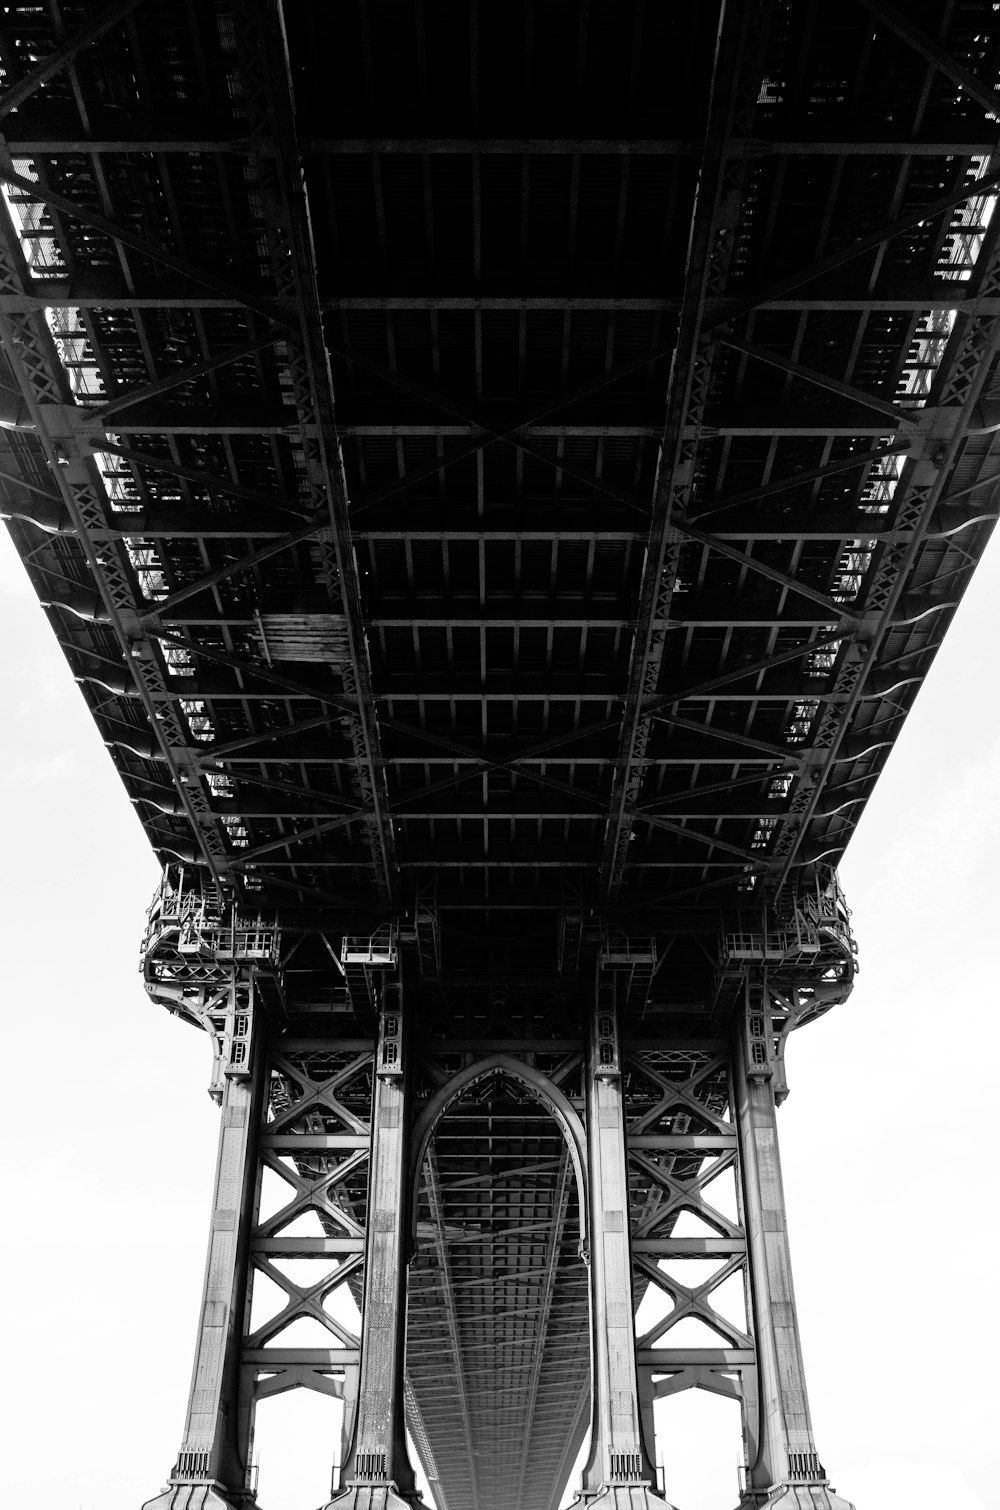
429, 652
746, 528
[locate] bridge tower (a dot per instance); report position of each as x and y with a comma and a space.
344, 1097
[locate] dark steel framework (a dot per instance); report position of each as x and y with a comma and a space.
525, 702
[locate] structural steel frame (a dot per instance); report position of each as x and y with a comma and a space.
499, 513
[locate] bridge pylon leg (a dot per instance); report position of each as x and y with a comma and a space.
377, 1473
784, 1465
327, 1113
618, 1474
212, 1471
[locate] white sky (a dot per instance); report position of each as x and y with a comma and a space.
888, 1137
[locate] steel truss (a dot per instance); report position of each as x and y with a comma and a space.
153, 544
565, 647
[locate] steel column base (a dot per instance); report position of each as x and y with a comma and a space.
194, 1497
372, 1497
797, 1497
624, 1497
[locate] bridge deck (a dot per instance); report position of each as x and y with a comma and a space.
505, 473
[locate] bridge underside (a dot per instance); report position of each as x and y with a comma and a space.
498, 1322
500, 481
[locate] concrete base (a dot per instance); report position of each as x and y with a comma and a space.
797, 1497
193, 1497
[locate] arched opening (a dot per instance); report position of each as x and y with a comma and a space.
498, 1350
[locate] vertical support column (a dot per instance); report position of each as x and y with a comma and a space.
618, 1472
786, 1465
378, 1473
212, 1468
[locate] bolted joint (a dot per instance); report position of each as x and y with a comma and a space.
390, 1063
238, 1036
759, 1034
191, 1468
606, 1052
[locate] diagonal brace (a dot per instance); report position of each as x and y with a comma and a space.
858, 247
712, 840
232, 568
799, 479
738, 674
132, 396
936, 55
14, 97
191, 474
759, 746
791, 584
882, 406
32, 189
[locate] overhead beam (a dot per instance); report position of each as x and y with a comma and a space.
798, 479
247, 857
937, 55
771, 573
856, 248
251, 777
754, 778
348, 704
35, 140
483, 764
740, 673
14, 97
680, 832
477, 423
730, 78
269, 736
729, 736
310, 808
204, 479
32, 189
343, 906
63, 293
121, 401
435, 615
891, 411
166, 605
